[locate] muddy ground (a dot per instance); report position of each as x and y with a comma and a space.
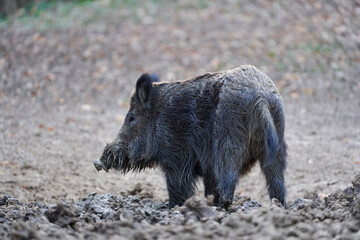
65, 79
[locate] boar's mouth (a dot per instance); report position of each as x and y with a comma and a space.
113, 157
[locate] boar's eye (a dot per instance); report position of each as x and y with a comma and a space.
130, 118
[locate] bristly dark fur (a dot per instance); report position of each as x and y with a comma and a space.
215, 126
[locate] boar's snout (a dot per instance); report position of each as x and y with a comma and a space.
113, 157
99, 165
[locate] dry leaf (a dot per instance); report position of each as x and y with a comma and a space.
50, 77
4, 163
309, 91
36, 85
100, 87
70, 119
294, 94
38, 38
119, 64
29, 73
86, 107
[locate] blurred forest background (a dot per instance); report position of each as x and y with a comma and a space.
294, 43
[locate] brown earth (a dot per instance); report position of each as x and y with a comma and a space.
63, 94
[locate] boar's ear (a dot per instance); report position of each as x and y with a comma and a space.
143, 88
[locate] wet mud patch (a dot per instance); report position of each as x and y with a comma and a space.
136, 217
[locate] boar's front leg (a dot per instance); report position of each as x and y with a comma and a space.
180, 186
211, 186
227, 180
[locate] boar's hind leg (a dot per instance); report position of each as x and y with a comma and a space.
274, 174
273, 159
180, 187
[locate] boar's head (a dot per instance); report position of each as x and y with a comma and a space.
135, 146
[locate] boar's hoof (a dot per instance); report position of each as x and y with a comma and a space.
225, 204
99, 165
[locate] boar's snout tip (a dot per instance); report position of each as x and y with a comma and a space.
99, 165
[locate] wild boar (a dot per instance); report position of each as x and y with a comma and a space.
215, 126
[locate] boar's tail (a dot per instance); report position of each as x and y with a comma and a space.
271, 143
270, 137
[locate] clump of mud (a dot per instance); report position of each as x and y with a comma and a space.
140, 217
